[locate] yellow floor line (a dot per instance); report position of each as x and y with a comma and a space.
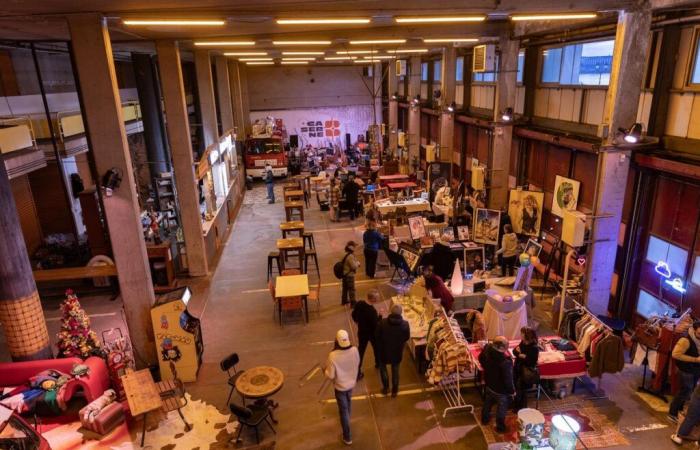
375, 280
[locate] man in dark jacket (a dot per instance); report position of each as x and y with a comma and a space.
366, 318
373, 240
392, 334
498, 376
351, 191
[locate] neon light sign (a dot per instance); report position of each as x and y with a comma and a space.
676, 284
663, 269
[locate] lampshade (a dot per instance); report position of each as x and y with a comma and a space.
530, 428
564, 432
457, 283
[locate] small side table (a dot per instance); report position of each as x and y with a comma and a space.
259, 383
294, 208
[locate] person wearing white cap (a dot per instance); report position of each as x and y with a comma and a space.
341, 367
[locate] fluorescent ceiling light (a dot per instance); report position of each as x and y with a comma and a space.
223, 43
440, 19
302, 53
322, 21
298, 59
410, 50
554, 16
294, 62
174, 22
260, 63
379, 57
363, 61
245, 54
301, 42
356, 52
443, 40
379, 41
339, 58
255, 59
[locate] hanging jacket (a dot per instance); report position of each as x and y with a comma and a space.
609, 356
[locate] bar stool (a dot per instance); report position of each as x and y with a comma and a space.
273, 256
311, 254
309, 237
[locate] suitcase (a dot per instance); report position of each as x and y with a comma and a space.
106, 420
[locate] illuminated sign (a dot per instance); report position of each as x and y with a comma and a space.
663, 269
676, 284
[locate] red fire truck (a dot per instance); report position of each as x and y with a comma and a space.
260, 151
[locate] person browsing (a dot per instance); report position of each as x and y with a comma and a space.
373, 241
341, 368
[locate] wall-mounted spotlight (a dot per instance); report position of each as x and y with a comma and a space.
634, 134
452, 107
395, 96
416, 100
111, 181
507, 115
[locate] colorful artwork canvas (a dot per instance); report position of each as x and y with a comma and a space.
525, 211
486, 226
565, 195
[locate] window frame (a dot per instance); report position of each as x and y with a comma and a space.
457, 73
425, 64
521, 82
495, 74
540, 65
692, 61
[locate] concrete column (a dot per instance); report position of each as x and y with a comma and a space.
151, 113
631, 47
503, 132
392, 84
223, 88
181, 149
239, 92
102, 115
21, 314
205, 95
413, 111
447, 122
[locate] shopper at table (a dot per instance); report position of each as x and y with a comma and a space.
366, 317
437, 288
350, 265
691, 420
686, 354
351, 191
497, 369
509, 249
270, 183
526, 373
341, 367
373, 241
392, 335
334, 200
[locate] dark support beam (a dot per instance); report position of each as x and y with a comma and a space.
530, 80
467, 81
668, 56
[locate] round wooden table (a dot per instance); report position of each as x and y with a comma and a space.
260, 382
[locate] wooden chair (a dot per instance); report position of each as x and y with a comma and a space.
172, 394
227, 364
290, 304
315, 296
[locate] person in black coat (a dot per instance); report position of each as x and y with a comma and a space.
351, 191
498, 377
526, 373
392, 334
367, 319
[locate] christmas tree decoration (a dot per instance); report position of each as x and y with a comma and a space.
76, 338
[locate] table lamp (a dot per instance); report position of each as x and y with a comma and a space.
457, 283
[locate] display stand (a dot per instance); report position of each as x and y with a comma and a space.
451, 386
643, 388
595, 395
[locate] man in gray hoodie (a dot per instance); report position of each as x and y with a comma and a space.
341, 367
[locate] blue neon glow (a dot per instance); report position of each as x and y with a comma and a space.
676, 284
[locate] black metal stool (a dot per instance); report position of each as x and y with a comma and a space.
309, 237
311, 254
273, 256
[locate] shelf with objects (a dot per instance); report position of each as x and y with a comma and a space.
178, 335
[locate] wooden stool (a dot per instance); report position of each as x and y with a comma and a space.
272, 256
309, 237
311, 254
294, 209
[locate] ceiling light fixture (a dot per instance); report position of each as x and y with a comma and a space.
339, 58
294, 62
301, 42
357, 52
554, 16
223, 43
363, 61
260, 63
379, 41
302, 53
379, 57
298, 59
443, 40
411, 50
245, 53
254, 59
174, 22
440, 19
322, 21
634, 134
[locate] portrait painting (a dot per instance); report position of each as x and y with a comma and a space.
486, 226
565, 195
525, 211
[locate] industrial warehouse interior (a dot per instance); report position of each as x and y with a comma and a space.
384, 225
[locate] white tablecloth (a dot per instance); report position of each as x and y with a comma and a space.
504, 319
413, 205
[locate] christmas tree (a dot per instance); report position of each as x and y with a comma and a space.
76, 338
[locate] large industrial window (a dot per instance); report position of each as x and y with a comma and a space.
437, 71
695, 74
649, 306
666, 256
586, 64
521, 67
424, 71
459, 68
487, 77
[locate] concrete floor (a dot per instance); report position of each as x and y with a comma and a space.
237, 316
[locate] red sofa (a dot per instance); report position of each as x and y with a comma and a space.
93, 384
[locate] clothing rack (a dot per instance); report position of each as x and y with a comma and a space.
451, 385
594, 395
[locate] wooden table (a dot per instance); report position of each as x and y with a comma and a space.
259, 383
293, 195
289, 227
289, 245
142, 395
401, 185
290, 186
294, 206
389, 178
293, 286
